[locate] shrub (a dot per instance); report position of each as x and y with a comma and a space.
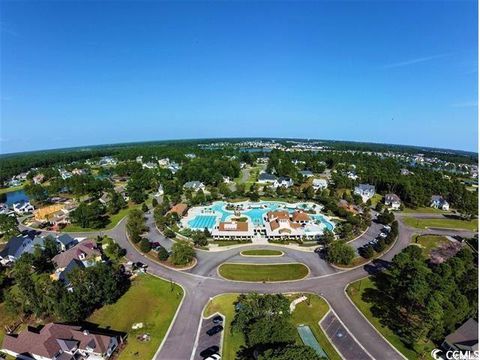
367, 252
145, 246
144, 207
169, 233
162, 253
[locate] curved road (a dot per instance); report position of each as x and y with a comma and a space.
201, 283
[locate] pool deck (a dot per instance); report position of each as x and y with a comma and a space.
197, 217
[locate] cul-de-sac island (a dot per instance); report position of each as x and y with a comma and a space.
270, 249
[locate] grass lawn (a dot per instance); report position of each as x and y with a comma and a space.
303, 314
355, 291
149, 300
442, 223
424, 210
429, 242
114, 220
310, 314
376, 199
257, 272
10, 189
231, 341
261, 252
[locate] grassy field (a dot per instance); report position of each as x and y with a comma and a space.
114, 220
310, 313
10, 189
232, 341
149, 300
303, 314
442, 223
429, 242
424, 210
257, 272
355, 291
261, 252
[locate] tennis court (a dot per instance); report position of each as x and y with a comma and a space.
309, 339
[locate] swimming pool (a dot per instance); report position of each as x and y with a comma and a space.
202, 222
209, 216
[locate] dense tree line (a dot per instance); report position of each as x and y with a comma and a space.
36, 293
418, 300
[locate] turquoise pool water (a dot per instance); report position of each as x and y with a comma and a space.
319, 218
202, 222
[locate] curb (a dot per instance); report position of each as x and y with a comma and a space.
368, 321
174, 316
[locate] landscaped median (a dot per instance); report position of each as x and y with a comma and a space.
356, 291
308, 312
263, 272
261, 252
150, 301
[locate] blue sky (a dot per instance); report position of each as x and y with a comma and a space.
104, 72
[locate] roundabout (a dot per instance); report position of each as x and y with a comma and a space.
202, 283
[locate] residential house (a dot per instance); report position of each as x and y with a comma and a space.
65, 242
438, 202
405, 172
366, 191
107, 161
174, 167
318, 184
149, 165
164, 162
19, 245
190, 156
85, 251
60, 342
47, 213
392, 201
64, 174
352, 176
194, 185
465, 338
233, 229
23, 207
180, 209
306, 173
266, 178
283, 181
38, 179
160, 191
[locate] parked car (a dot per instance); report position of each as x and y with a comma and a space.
140, 265
217, 319
214, 330
383, 235
155, 244
214, 357
209, 351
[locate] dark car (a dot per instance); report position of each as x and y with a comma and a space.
214, 330
217, 319
209, 351
140, 265
155, 244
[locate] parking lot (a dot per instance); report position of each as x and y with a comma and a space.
204, 340
342, 339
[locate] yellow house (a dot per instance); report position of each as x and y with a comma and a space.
48, 212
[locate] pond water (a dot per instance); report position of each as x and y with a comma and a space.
13, 197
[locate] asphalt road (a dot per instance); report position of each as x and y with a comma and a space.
201, 283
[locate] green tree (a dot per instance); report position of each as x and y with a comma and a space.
182, 253
340, 253
145, 245
8, 226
